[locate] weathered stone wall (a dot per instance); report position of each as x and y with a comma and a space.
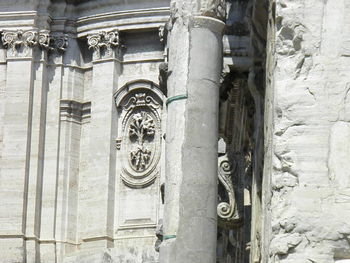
63, 198
306, 188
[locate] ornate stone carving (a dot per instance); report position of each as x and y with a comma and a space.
140, 134
24, 39
104, 40
142, 128
19, 38
163, 34
213, 8
59, 43
227, 208
43, 39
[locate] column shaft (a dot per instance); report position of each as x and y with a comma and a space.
192, 134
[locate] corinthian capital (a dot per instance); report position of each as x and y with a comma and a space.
58, 43
104, 41
43, 39
54, 43
213, 8
19, 38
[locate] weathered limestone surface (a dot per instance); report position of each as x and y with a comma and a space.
195, 63
306, 190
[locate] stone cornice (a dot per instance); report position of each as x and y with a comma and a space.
74, 111
123, 20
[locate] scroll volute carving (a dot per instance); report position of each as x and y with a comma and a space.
228, 211
139, 107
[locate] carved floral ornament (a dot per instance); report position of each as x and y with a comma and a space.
31, 38
140, 110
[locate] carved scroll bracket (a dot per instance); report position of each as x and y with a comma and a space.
227, 208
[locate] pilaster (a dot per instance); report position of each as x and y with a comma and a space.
68, 96
18, 121
99, 180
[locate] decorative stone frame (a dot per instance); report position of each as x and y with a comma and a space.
139, 104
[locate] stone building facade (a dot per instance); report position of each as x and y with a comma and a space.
183, 131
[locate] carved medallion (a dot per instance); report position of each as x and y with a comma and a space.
140, 136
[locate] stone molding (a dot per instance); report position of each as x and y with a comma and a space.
74, 111
139, 104
104, 41
18, 39
150, 18
215, 9
213, 24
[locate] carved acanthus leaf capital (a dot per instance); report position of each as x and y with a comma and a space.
43, 39
213, 8
59, 43
103, 39
18, 38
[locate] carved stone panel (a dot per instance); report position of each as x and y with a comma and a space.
139, 133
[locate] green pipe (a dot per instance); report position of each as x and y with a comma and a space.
177, 97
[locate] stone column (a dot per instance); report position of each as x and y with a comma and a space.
195, 62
